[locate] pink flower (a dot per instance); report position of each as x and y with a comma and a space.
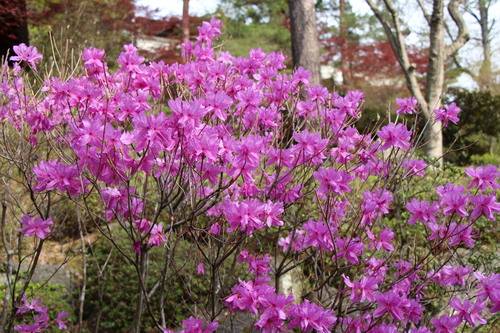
389, 302
37, 226
413, 310
395, 136
150, 131
309, 316
249, 98
29, 306
270, 213
489, 287
249, 296
157, 236
376, 268
319, 234
384, 241
246, 216
193, 325
362, 290
375, 204
305, 108
449, 275
94, 62
301, 75
461, 234
347, 105
445, 324
402, 267
215, 229
415, 167
208, 31
27, 53
59, 320
130, 59
471, 313
298, 241
438, 231
406, 105
275, 312
384, 328
142, 225
248, 154
218, 103
360, 323
454, 202
483, 177
26, 328
55, 175
333, 181
486, 205
309, 147
349, 248
421, 210
200, 269
449, 113
318, 93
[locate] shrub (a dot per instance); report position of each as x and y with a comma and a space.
475, 137
241, 170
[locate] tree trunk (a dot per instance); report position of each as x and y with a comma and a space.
435, 80
185, 21
344, 64
438, 54
305, 43
485, 73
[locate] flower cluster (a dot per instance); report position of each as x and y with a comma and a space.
230, 151
40, 316
275, 311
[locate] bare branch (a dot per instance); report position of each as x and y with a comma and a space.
463, 32
473, 15
424, 11
396, 39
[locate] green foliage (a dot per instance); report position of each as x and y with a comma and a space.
250, 24
112, 292
485, 159
254, 11
61, 28
239, 38
269, 37
478, 131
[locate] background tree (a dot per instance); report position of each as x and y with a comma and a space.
255, 11
430, 98
13, 25
356, 45
305, 44
487, 76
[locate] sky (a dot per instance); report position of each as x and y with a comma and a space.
201, 7
469, 52
174, 7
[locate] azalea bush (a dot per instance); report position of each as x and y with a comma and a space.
261, 177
